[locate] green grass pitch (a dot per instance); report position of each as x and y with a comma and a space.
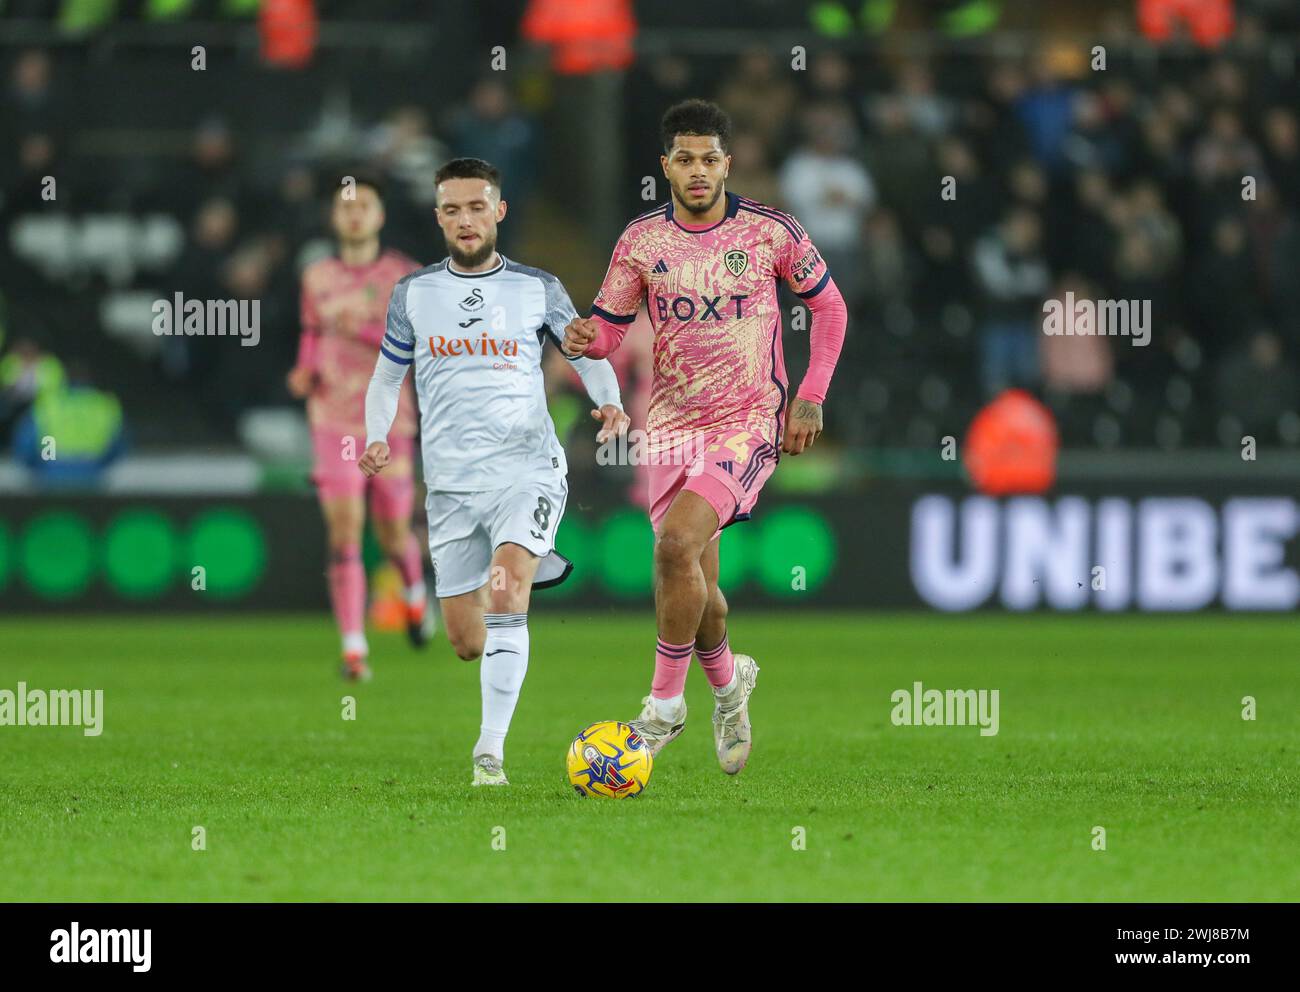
235, 724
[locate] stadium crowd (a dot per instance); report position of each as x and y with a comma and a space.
951, 195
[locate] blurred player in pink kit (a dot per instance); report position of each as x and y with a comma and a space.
344, 308
707, 265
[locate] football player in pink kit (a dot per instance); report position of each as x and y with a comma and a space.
344, 309
707, 265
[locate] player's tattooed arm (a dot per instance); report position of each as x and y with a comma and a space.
803, 425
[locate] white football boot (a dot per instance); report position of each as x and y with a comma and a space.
654, 729
731, 731
488, 771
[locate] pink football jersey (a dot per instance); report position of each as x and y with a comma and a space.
711, 293
344, 312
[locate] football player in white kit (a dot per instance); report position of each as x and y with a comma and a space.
474, 326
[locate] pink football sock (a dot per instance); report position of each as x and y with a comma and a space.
672, 662
409, 564
717, 663
347, 580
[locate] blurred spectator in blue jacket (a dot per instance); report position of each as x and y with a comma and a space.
492, 128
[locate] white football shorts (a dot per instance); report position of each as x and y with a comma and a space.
466, 528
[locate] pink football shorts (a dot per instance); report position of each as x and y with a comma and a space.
727, 469
392, 491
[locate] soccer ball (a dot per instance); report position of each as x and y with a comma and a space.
609, 759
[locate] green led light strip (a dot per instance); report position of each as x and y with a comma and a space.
143, 553
140, 555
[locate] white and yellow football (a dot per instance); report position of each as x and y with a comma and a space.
609, 759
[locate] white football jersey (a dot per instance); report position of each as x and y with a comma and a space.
476, 342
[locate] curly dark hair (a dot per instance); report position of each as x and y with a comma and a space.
697, 117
